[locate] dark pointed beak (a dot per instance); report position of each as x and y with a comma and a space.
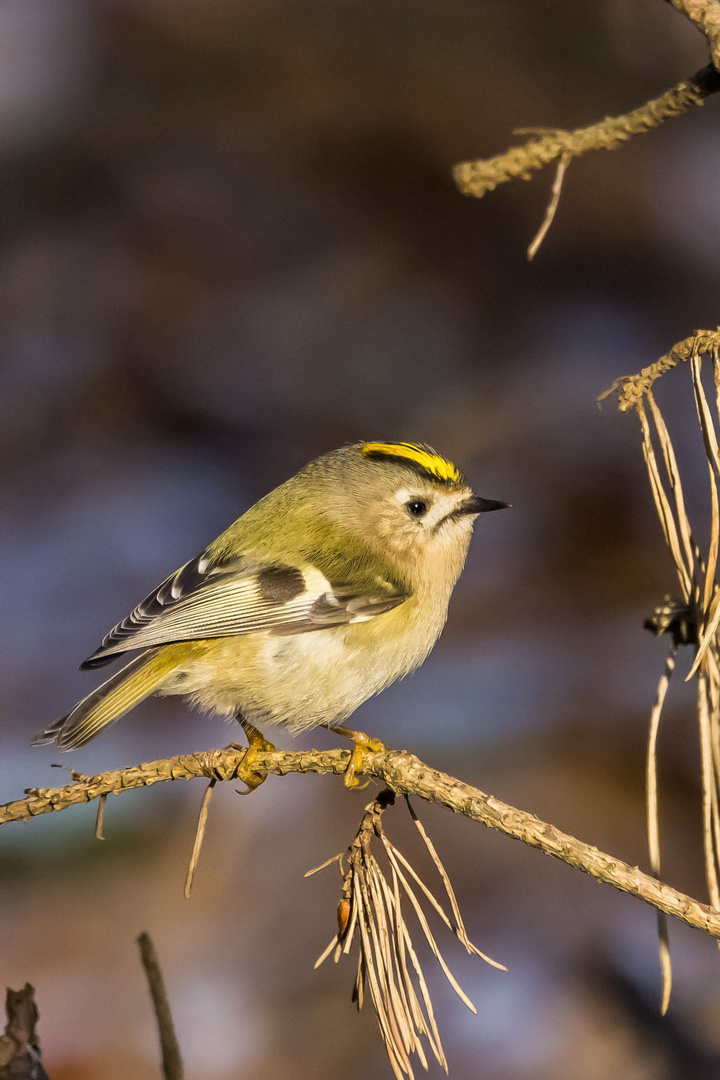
476, 505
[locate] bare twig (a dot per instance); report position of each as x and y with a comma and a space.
631, 389
551, 207
478, 177
405, 775
171, 1060
520, 162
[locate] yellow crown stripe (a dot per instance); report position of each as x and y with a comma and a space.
421, 457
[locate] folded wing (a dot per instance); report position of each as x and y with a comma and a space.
242, 596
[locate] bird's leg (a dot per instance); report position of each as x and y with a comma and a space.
257, 744
362, 742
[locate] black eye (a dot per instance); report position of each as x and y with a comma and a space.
416, 507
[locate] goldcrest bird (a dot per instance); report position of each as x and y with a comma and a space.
325, 592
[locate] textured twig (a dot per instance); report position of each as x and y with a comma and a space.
706, 16
405, 775
172, 1065
520, 162
632, 388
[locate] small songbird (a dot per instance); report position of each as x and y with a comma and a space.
325, 592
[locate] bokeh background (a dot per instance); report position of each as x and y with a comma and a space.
230, 241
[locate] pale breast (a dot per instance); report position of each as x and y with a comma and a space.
308, 679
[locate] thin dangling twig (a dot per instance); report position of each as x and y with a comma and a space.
552, 206
653, 830
199, 837
100, 818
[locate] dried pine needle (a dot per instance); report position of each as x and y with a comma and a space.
662, 503
695, 619
388, 963
100, 818
653, 828
199, 837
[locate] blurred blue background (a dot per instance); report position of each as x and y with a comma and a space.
230, 241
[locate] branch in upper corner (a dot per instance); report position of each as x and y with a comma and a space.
520, 162
706, 16
404, 774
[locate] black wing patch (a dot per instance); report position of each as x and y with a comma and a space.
341, 606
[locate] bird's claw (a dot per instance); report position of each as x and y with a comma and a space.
258, 744
362, 743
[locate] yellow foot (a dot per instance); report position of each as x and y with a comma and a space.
258, 744
362, 743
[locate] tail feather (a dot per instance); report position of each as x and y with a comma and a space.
137, 680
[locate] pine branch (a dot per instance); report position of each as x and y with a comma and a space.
404, 774
520, 162
478, 177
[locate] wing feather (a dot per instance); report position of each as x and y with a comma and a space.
243, 596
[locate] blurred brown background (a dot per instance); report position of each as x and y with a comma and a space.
230, 242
